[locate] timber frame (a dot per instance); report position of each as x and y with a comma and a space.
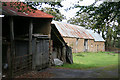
20, 63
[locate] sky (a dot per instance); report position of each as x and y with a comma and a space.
70, 3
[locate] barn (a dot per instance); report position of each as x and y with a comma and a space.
98, 44
26, 34
79, 38
60, 49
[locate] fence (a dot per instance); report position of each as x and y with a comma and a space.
21, 64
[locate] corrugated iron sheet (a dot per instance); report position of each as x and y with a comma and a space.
96, 36
69, 30
13, 8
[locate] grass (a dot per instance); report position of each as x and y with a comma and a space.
88, 60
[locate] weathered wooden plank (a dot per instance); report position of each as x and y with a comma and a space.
21, 64
0, 46
64, 53
12, 53
30, 37
42, 53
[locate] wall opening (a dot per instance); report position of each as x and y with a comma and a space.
86, 45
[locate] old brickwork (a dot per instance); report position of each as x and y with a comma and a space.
71, 42
99, 46
78, 45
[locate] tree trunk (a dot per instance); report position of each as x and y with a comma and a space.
114, 42
98, 31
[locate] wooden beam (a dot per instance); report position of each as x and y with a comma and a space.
30, 36
12, 53
0, 47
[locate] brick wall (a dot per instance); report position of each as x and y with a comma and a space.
71, 42
78, 45
99, 46
91, 47
95, 46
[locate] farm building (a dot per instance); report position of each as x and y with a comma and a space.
28, 41
60, 49
79, 38
26, 36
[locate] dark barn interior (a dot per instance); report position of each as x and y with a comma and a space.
60, 49
16, 56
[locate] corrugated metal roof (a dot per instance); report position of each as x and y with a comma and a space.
96, 36
12, 9
69, 30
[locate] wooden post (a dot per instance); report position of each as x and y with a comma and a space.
12, 53
30, 40
30, 37
34, 55
0, 47
64, 53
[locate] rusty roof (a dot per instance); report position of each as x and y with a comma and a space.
22, 9
69, 30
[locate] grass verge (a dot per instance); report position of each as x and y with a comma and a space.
88, 60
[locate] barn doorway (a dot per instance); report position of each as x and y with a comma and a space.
86, 45
41, 53
97, 48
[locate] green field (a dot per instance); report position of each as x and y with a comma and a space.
88, 60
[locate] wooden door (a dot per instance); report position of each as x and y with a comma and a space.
42, 54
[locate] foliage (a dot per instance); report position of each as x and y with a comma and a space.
81, 20
52, 4
104, 19
55, 12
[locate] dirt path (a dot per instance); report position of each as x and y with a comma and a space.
91, 73
103, 72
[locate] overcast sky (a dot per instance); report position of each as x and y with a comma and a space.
70, 3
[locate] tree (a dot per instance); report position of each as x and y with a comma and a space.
55, 12
81, 20
101, 18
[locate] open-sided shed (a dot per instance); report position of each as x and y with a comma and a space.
25, 38
60, 49
79, 38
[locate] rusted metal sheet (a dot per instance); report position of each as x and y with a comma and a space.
69, 30
11, 8
96, 36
